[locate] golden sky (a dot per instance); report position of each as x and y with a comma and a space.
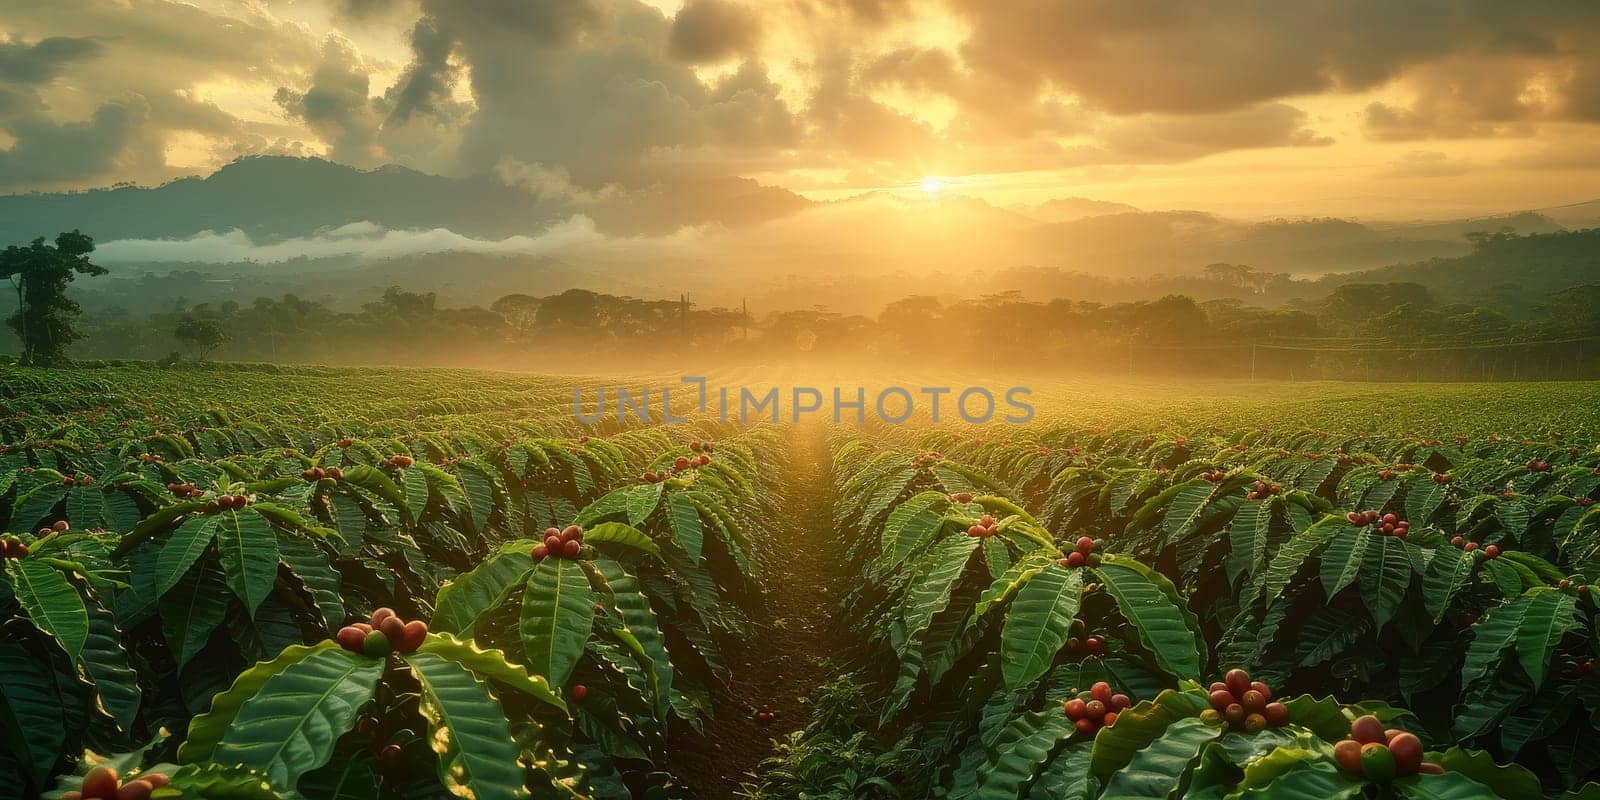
1421, 109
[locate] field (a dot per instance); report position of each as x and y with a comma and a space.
247, 581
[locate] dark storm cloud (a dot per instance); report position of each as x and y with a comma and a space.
41, 61
426, 83
337, 108
706, 31
112, 140
607, 110
1132, 56
93, 99
1177, 138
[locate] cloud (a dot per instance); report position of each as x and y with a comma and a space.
45, 59
1427, 164
365, 240
1134, 57
113, 140
337, 108
706, 31
1172, 137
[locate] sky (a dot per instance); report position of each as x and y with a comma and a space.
1378, 110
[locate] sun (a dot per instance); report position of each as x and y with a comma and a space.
932, 184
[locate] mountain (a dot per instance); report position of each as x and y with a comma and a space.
275, 197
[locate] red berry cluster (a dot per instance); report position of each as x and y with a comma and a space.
68, 480
1214, 475
1440, 477
318, 473
1262, 489
560, 543
184, 490
1388, 524
398, 461
386, 633
151, 458
345, 442
1584, 667
1381, 755
961, 497
1093, 645
1535, 465
1082, 553
1244, 704
1584, 501
1492, 551
930, 457
702, 447
12, 547
1098, 711
1565, 584
232, 502
103, 783
983, 528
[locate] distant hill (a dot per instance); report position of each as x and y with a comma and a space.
1534, 265
275, 197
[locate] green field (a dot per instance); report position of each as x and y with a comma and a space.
714, 609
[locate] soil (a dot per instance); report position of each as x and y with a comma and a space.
792, 650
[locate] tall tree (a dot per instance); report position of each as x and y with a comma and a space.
201, 336
46, 319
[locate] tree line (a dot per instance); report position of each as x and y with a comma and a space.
1369, 331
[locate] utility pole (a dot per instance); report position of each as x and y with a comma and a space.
744, 317
1252, 361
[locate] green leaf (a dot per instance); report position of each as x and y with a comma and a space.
1448, 571
1304, 779
1550, 615
468, 731
249, 555
685, 522
1138, 726
1151, 603
1341, 559
641, 502
479, 487
491, 664
206, 730
1158, 770
1018, 752
639, 620
626, 535
32, 727
1038, 623
462, 601
290, 727
1506, 780
1385, 577
1423, 497
1067, 776
182, 549
1449, 786
1491, 635
107, 665
557, 615
51, 602
193, 609
1247, 538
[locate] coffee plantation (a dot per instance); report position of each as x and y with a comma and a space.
301, 582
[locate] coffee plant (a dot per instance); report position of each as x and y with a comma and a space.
436, 584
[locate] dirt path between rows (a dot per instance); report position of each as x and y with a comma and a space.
792, 650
